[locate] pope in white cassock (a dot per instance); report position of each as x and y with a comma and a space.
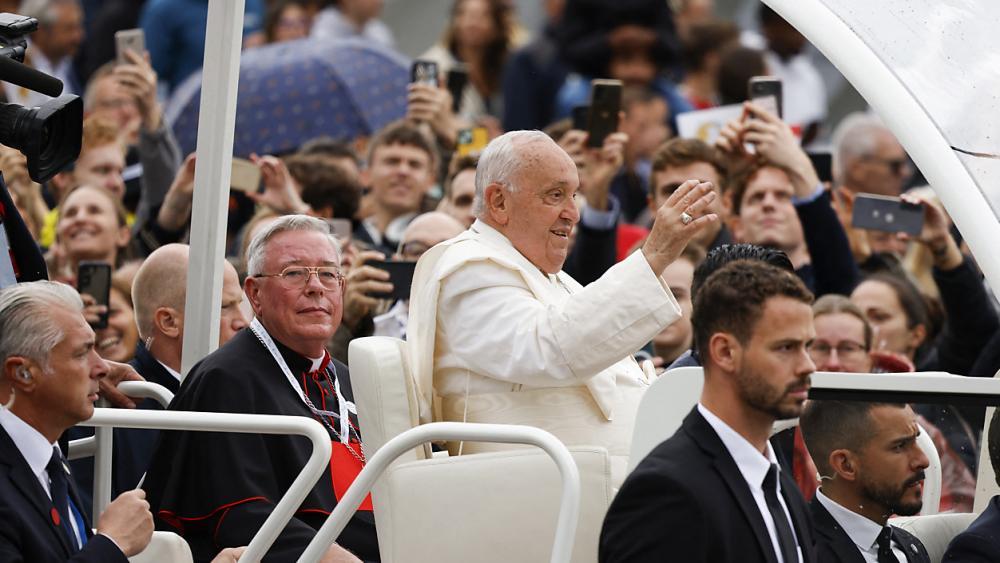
498, 333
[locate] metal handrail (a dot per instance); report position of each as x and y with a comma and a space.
569, 504
243, 423
103, 446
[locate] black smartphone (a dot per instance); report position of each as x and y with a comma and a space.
424, 72
94, 279
400, 275
889, 214
579, 115
823, 164
605, 105
456, 79
760, 88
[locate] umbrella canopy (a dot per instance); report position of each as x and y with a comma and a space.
294, 91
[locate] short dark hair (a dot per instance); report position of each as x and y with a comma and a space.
993, 444
683, 152
329, 147
737, 65
829, 425
402, 132
459, 163
705, 38
732, 299
325, 185
726, 253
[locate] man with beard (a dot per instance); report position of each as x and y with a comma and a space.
871, 468
714, 490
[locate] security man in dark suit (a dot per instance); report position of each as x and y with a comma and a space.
48, 383
714, 492
980, 542
871, 468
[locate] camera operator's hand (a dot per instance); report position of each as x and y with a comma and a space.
139, 79
280, 193
432, 105
128, 522
936, 233
842, 199
363, 280
91, 310
176, 208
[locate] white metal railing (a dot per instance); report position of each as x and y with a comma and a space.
243, 423
101, 444
569, 504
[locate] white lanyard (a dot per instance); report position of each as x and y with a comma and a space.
343, 405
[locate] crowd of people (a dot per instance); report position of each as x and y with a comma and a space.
549, 272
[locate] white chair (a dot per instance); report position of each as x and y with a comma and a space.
484, 507
935, 531
672, 396
164, 546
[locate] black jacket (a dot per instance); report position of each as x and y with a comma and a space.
833, 545
980, 542
687, 501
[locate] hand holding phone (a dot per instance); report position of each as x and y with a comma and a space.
888, 214
129, 40
400, 276
605, 105
766, 92
94, 279
424, 72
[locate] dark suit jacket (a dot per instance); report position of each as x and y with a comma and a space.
687, 501
833, 545
27, 532
980, 543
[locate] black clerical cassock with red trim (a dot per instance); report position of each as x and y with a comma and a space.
216, 489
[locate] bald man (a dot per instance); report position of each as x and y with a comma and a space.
420, 235
158, 293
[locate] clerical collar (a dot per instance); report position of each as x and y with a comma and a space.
297, 363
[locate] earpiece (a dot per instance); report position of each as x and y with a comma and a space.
24, 374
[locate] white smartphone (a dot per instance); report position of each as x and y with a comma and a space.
129, 40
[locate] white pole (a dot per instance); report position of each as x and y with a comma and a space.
216, 121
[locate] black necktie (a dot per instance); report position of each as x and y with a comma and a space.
59, 489
884, 541
786, 539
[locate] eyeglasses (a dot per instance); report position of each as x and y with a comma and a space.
295, 277
845, 350
897, 166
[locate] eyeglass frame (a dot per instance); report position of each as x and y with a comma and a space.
830, 349
896, 166
310, 271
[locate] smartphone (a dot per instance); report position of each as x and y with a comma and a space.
400, 275
456, 79
94, 279
473, 140
129, 40
605, 105
889, 214
760, 88
823, 164
245, 176
579, 115
424, 72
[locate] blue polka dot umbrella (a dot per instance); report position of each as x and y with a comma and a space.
294, 91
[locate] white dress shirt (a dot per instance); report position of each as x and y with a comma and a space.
170, 370
862, 531
754, 466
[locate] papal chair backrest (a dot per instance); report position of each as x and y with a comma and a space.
384, 392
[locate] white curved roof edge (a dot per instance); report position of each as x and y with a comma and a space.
907, 119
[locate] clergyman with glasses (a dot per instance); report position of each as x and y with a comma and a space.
216, 489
